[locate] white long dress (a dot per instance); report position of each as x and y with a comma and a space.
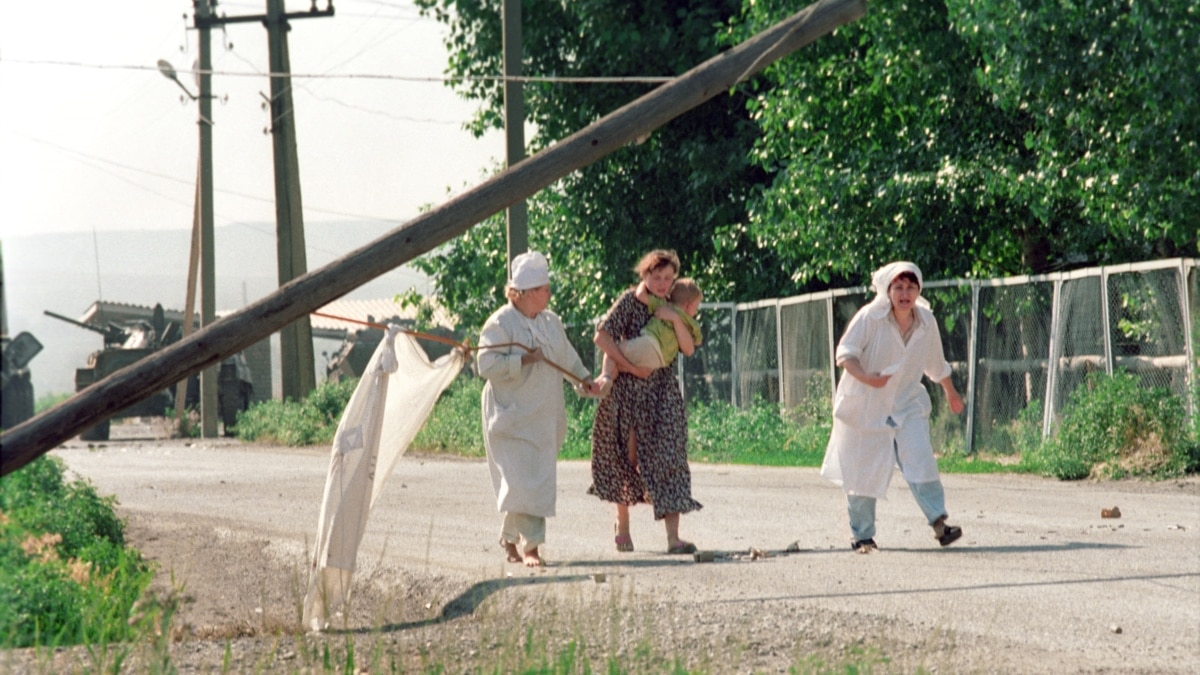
524, 420
859, 456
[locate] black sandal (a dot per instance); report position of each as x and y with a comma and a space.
864, 546
950, 535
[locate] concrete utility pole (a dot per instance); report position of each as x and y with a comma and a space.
514, 123
26, 441
295, 340
202, 230
297, 367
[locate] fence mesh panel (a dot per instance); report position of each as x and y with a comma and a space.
1147, 327
706, 375
756, 355
806, 357
1018, 348
1011, 360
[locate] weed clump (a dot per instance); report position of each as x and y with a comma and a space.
1114, 427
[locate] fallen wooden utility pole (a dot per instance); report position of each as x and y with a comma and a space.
225, 337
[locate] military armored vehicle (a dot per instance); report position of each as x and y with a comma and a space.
356, 350
351, 358
16, 383
126, 344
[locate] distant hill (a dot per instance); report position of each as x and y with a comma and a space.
67, 272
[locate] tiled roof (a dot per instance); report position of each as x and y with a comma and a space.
379, 310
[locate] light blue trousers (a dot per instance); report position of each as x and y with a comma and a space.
930, 497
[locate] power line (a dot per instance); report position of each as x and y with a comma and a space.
634, 79
97, 162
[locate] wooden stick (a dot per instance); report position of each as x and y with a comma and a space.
460, 345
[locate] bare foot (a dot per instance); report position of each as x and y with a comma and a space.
532, 559
514, 556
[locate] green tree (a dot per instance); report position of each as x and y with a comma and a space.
979, 137
1112, 93
685, 187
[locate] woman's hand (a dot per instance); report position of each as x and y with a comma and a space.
952, 398
855, 370
877, 381
637, 371
532, 357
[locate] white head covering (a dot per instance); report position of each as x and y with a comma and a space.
883, 278
529, 270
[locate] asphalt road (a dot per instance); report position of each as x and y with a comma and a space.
1038, 567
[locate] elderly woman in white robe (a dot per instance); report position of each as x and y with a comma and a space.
524, 419
881, 409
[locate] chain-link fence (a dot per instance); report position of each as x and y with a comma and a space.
1018, 347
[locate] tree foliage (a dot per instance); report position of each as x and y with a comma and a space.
684, 188
974, 137
980, 137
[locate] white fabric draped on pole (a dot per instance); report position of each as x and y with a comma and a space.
394, 396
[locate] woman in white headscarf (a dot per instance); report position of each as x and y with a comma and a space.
524, 418
881, 409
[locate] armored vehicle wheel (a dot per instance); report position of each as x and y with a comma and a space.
233, 400
18, 402
98, 432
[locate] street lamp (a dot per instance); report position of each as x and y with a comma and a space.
202, 241
168, 71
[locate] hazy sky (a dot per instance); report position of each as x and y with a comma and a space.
94, 138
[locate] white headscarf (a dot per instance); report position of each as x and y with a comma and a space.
883, 278
529, 270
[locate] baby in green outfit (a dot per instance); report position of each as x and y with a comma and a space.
672, 330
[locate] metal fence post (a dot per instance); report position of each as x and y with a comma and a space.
1052, 359
969, 441
734, 381
1105, 320
832, 347
1189, 345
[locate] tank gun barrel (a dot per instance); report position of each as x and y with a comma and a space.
112, 334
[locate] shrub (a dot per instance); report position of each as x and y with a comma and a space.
1115, 427
456, 424
312, 421
65, 574
760, 434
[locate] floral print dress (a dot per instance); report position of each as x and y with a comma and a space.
654, 409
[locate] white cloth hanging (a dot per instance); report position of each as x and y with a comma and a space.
395, 395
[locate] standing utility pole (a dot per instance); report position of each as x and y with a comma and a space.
295, 340
297, 367
208, 285
514, 123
